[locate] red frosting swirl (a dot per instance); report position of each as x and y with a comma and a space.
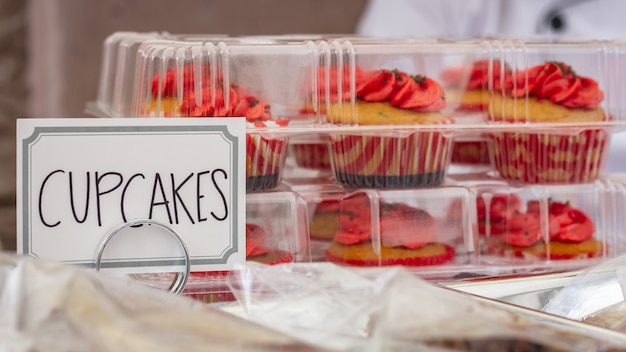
501, 208
400, 225
413, 92
169, 81
212, 102
333, 76
241, 103
255, 240
478, 75
558, 83
328, 206
565, 224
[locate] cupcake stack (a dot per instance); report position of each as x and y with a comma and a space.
453, 158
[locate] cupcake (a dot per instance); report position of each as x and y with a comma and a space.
467, 88
311, 155
412, 155
323, 223
406, 236
470, 152
256, 250
174, 97
501, 208
549, 93
331, 85
570, 234
210, 287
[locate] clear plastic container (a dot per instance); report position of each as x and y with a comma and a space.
391, 110
373, 124
378, 228
276, 232
391, 91
546, 223
477, 226
117, 75
323, 211
211, 76
463, 230
467, 89
563, 84
311, 152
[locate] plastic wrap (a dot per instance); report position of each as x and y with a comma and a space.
530, 291
54, 307
595, 296
391, 310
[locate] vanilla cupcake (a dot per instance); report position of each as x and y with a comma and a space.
176, 97
571, 234
408, 236
467, 89
331, 85
417, 158
549, 93
467, 86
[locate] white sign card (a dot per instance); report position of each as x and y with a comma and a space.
78, 179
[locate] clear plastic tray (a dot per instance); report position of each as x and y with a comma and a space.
276, 233
477, 226
450, 234
382, 125
389, 110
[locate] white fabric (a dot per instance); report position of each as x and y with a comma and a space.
599, 19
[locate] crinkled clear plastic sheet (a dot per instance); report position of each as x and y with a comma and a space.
55, 307
531, 291
595, 296
390, 309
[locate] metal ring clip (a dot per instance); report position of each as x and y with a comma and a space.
180, 280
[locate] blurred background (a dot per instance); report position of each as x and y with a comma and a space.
51, 51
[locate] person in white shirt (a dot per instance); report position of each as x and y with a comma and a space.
586, 19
